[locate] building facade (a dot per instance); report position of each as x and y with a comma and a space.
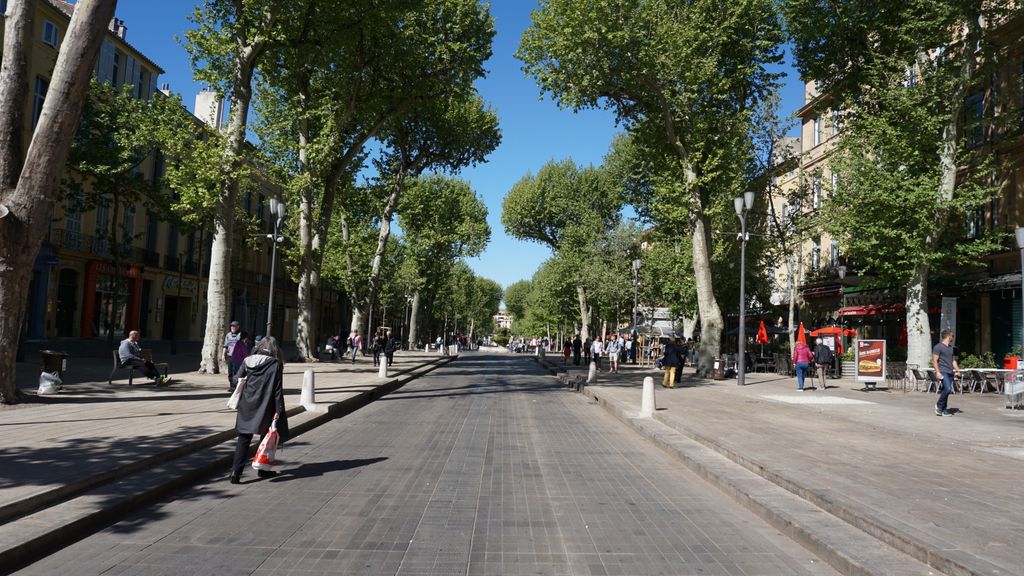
156, 281
986, 298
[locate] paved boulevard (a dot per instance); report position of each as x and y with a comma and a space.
483, 467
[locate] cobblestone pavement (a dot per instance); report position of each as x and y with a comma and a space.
486, 466
941, 487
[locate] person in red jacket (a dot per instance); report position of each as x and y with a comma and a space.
802, 361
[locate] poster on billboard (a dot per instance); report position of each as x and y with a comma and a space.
870, 360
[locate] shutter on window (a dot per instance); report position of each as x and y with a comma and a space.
105, 70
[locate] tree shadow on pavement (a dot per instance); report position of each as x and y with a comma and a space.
321, 468
72, 459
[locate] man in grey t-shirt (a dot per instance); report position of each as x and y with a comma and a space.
946, 368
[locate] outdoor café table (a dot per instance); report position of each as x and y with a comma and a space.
1000, 374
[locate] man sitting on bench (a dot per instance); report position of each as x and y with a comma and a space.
130, 354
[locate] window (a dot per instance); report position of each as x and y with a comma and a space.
816, 254
248, 203
816, 191
73, 219
42, 85
975, 223
152, 230
101, 246
837, 122
911, 77
834, 254
159, 166
115, 81
127, 227
50, 33
835, 182
817, 130
974, 116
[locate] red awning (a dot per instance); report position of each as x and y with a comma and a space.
872, 310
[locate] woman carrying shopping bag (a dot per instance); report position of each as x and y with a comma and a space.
261, 402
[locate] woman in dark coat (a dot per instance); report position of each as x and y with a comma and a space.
261, 401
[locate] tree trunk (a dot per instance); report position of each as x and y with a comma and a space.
919, 339
791, 279
356, 325
218, 291
114, 245
373, 285
584, 313
305, 339
413, 320
29, 188
707, 305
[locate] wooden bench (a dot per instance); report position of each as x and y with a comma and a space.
147, 355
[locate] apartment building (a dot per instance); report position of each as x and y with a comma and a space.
503, 319
75, 290
986, 298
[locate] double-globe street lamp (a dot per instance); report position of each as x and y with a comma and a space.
743, 205
277, 215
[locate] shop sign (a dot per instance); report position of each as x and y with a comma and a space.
171, 284
106, 268
870, 360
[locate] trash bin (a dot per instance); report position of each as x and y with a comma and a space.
718, 369
54, 361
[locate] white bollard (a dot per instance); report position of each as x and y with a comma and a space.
647, 406
592, 374
308, 397
382, 372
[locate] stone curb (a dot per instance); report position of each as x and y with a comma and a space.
180, 475
840, 543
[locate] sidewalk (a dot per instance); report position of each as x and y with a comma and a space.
942, 490
108, 445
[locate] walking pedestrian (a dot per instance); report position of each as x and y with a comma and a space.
670, 363
566, 351
595, 352
390, 345
576, 345
587, 347
353, 345
802, 360
823, 360
612, 349
230, 339
261, 402
946, 365
238, 355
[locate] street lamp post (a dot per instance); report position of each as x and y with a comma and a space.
842, 335
277, 214
743, 205
1020, 244
636, 275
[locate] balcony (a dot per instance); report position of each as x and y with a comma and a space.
171, 262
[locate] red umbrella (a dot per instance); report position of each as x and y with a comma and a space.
800, 336
762, 334
834, 330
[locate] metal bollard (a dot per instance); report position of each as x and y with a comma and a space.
382, 372
647, 406
308, 397
592, 374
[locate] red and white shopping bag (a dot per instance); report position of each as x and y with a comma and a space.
264, 459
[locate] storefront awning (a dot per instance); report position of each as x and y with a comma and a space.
992, 283
872, 310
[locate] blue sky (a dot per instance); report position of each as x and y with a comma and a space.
533, 130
